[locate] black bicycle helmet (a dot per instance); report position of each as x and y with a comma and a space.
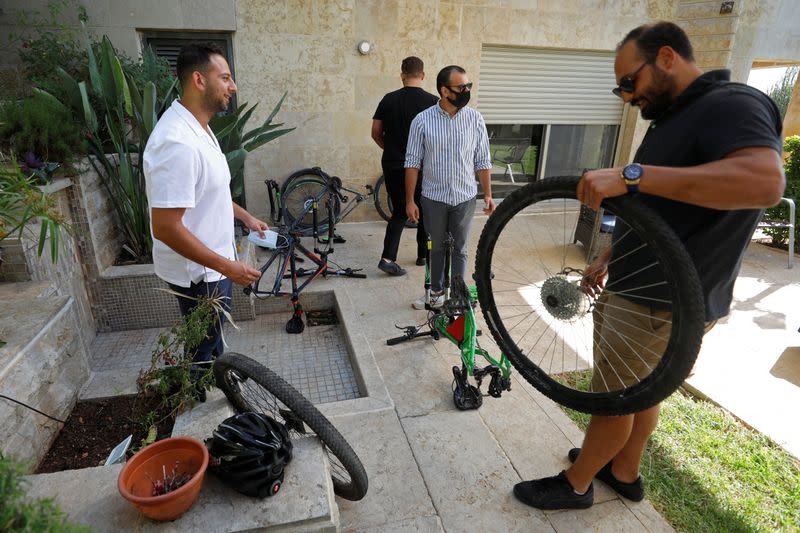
249, 452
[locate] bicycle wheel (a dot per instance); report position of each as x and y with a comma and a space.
250, 386
383, 204
296, 192
604, 355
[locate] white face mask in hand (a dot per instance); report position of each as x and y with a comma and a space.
270, 239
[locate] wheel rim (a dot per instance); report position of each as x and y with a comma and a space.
253, 397
301, 191
595, 355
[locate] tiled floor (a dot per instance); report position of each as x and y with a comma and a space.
316, 362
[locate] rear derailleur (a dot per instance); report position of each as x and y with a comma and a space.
467, 396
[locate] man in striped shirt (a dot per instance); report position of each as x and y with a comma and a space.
450, 140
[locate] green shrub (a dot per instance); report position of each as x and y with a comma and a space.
791, 147
39, 125
53, 44
20, 515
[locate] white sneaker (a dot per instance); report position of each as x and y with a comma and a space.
436, 301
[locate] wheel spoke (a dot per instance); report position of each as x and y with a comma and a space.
530, 275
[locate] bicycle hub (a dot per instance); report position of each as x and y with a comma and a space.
563, 299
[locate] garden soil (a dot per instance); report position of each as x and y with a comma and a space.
95, 427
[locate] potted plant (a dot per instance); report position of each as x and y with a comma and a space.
164, 479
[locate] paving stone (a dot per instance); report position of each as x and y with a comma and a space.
397, 491
535, 446
607, 516
647, 515
468, 475
421, 524
418, 379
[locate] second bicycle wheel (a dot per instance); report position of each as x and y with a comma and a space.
298, 190
383, 203
618, 353
250, 386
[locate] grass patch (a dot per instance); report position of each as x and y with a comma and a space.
705, 471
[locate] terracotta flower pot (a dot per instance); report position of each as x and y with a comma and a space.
183, 454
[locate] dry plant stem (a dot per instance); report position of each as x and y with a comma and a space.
169, 482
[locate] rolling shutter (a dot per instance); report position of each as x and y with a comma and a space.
538, 86
168, 44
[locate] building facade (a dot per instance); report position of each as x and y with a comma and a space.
542, 68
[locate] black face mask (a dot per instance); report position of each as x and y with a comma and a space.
460, 100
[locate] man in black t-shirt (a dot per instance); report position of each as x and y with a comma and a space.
709, 163
390, 126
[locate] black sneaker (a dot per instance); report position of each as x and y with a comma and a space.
633, 491
391, 268
420, 261
553, 493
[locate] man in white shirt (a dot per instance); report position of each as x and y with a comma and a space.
188, 189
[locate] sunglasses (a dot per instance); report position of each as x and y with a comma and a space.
627, 84
461, 88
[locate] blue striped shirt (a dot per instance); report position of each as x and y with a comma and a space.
452, 149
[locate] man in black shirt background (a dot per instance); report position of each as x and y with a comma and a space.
390, 126
709, 163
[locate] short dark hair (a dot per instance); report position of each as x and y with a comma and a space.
412, 66
195, 56
649, 39
443, 78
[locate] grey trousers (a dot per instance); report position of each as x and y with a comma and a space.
440, 219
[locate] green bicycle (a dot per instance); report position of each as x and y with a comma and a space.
455, 321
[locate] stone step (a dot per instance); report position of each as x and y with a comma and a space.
305, 502
43, 364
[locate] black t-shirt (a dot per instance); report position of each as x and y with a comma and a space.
397, 109
710, 119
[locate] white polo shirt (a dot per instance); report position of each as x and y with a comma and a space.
185, 167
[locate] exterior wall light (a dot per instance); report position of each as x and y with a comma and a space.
364, 47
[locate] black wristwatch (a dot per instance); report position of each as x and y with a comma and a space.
631, 175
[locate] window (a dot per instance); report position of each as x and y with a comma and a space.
525, 152
167, 44
548, 112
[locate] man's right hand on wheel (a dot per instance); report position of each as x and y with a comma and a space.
412, 212
241, 274
593, 280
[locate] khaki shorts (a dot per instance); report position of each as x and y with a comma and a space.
629, 341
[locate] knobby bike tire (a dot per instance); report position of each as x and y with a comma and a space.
297, 189
681, 281
349, 477
383, 202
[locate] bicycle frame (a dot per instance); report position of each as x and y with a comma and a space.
461, 330
287, 255
456, 322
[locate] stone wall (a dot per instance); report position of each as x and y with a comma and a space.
44, 364
14, 266
64, 277
308, 48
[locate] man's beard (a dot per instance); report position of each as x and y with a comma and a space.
659, 98
218, 104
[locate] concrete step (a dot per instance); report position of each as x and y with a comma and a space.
305, 502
